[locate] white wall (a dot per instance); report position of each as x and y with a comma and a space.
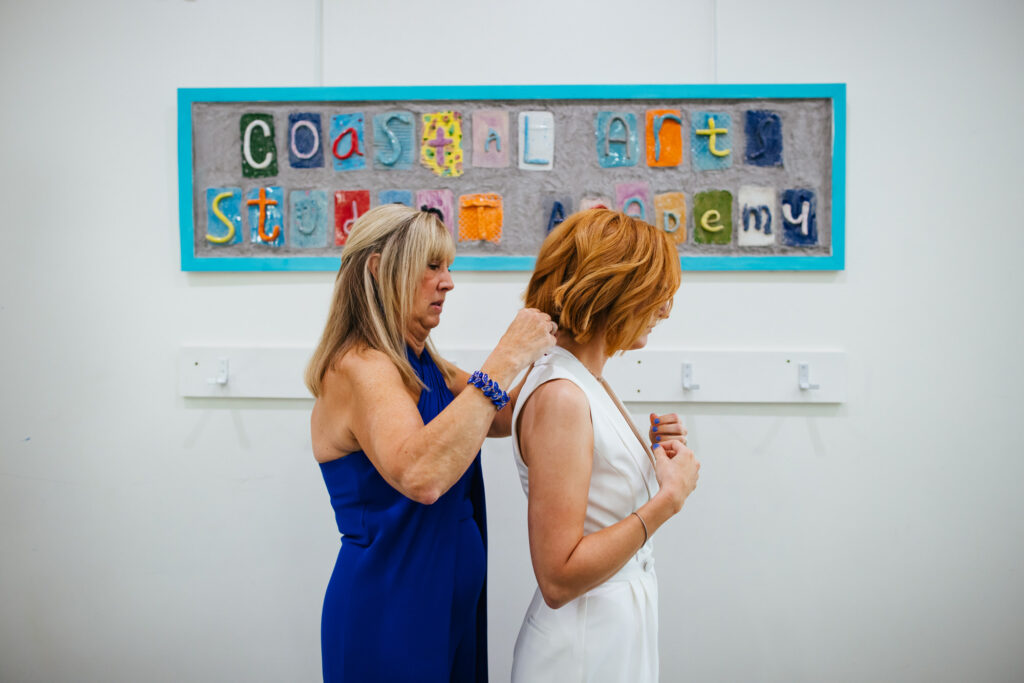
144, 537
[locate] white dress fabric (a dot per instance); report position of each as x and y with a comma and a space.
610, 633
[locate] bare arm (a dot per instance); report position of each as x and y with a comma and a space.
366, 406
556, 439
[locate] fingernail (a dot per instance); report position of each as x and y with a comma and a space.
657, 438
657, 420
655, 428
657, 445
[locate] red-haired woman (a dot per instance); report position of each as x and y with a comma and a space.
596, 492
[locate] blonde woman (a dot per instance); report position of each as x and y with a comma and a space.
596, 492
397, 433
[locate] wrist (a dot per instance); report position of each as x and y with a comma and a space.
490, 388
500, 369
643, 524
666, 504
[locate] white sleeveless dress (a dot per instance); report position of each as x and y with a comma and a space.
610, 633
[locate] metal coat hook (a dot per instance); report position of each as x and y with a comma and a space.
804, 377
222, 373
688, 384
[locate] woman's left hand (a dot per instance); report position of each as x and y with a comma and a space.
665, 427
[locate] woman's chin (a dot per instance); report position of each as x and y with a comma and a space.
640, 343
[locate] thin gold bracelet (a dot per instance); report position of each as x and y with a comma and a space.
644, 524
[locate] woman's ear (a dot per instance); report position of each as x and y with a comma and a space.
373, 263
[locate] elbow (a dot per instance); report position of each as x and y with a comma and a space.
421, 489
552, 601
555, 596
500, 430
426, 497
426, 493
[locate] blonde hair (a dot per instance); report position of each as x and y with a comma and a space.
374, 311
604, 268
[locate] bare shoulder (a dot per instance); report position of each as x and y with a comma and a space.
359, 370
562, 393
555, 427
559, 400
361, 377
349, 383
360, 360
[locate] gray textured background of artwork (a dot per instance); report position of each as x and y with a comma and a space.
807, 155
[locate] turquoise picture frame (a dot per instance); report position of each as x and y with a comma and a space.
836, 92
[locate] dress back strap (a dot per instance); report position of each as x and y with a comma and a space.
629, 420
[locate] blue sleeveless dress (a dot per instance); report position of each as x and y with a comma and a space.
407, 599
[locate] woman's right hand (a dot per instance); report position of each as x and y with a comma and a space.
677, 470
530, 333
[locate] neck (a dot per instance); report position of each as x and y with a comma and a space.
416, 341
591, 354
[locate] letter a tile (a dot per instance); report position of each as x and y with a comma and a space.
490, 138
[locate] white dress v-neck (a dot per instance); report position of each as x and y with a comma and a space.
610, 633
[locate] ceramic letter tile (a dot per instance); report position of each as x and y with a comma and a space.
349, 205
595, 202
634, 199
616, 134
348, 142
758, 217
265, 211
711, 140
554, 210
670, 214
443, 200
305, 140
393, 140
395, 197
490, 138
664, 137
712, 217
480, 217
259, 151
536, 140
441, 143
799, 218
223, 215
308, 210
764, 138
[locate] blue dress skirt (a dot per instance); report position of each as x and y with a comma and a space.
407, 599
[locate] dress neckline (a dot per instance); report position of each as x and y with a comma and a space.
413, 356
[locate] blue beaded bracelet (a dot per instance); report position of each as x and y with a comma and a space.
491, 390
